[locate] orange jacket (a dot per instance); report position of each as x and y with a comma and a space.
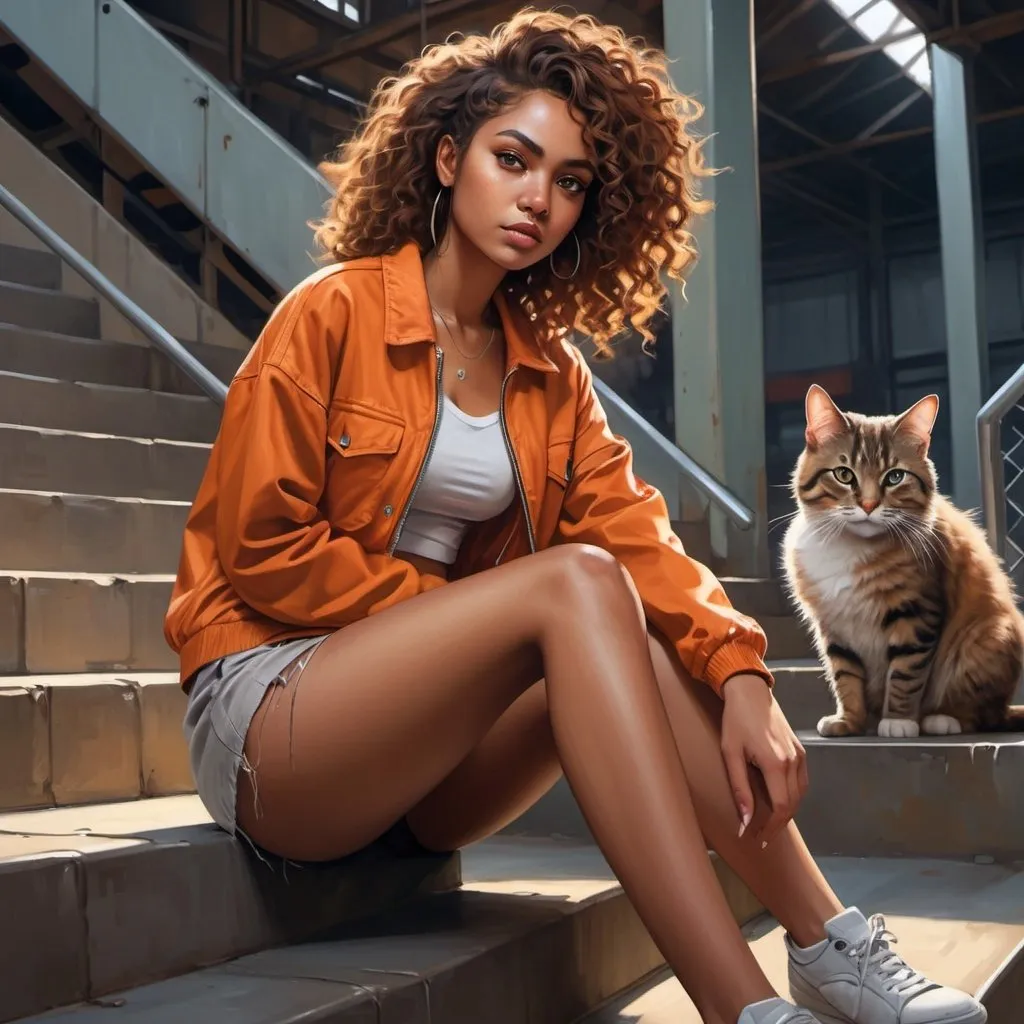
324, 436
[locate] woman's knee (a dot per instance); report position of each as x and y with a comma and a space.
588, 575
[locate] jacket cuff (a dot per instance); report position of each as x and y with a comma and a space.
734, 658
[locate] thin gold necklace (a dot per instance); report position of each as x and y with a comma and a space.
460, 371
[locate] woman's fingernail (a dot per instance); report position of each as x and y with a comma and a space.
764, 844
744, 823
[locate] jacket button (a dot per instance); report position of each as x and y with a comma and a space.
388, 510
345, 441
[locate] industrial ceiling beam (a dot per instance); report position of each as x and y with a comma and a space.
986, 30
824, 145
890, 115
358, 43
780, 24
320, 16
853, 145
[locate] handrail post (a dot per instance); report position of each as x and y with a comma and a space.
993, 484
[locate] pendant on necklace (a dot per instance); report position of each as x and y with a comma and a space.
460, 373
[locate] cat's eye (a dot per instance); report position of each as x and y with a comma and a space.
844, 474
894, 477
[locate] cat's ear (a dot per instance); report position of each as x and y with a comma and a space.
824, 417
918, 420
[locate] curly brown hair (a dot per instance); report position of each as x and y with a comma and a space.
632, 227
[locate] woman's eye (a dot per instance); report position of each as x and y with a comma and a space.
510, 159
573, 185
843, 474
895, 476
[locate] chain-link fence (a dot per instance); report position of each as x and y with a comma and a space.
1012, 444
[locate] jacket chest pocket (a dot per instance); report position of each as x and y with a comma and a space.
363, 445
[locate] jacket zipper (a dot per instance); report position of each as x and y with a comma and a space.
515, 471
438, 408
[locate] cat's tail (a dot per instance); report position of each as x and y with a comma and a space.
1014, 719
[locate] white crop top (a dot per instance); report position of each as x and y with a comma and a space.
468, 479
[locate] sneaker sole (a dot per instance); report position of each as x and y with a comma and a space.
810, 999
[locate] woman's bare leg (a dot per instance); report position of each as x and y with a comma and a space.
784, 875
387, 708
517, 762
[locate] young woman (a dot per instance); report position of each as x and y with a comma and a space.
420, 579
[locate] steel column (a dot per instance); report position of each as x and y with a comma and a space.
717, 333
963, 264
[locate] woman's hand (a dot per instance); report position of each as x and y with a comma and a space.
755, 731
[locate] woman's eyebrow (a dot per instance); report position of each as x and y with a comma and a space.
538, 150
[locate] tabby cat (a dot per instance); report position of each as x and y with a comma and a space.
913, 616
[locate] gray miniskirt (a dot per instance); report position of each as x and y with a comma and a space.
224, 697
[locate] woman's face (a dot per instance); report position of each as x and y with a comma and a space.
519, 189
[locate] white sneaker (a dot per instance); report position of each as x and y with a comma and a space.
776, 1011
854, 976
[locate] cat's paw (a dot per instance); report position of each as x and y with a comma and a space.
940, 725
898, 728
836, 725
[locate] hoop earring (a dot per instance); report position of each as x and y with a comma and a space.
575, 270
433, 220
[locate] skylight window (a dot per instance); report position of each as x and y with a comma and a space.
877, 20
350, 10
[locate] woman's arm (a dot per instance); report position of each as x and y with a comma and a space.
607, 505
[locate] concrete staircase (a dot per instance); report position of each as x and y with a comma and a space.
122, 902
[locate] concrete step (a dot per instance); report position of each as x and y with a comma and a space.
39, 459
960, 796
221, 361
89, 736
960, 924
43, 354
802, 692
98, 899
539, 933
788, 638
766, 600
57, 623
101, 409
760, 598
45, 309
1003, 994
29, 266
949, 797
86, 738
696, 538
81, 533
68, 739
104, 409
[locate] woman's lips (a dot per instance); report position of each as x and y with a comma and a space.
520, 239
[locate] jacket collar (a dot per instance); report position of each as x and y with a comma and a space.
408, 319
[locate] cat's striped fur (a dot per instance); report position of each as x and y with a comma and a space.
914, 617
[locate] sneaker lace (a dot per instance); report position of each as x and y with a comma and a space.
874, 955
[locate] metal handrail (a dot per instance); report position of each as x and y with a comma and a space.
716, 491
169, 345
990, 451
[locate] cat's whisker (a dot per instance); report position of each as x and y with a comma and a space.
922, 542
926, 535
